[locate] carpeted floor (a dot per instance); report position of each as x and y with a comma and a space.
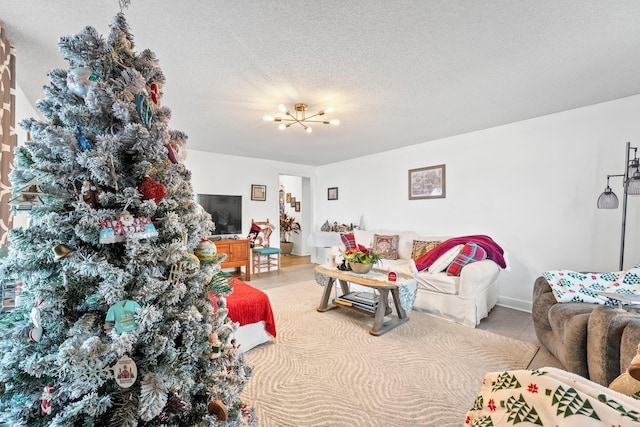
325, 369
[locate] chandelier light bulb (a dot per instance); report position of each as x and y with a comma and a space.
329, 110
282, 126
282, 108
308, 129
334, 122
268, 118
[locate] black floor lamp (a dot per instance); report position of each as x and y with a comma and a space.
631, 186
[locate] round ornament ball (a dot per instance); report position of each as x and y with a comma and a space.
206, 250
190, 263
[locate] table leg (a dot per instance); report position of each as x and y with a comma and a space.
396, 300
379, 325
324, 301
345, 286
378, 319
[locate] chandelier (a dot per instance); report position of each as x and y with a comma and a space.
300, 117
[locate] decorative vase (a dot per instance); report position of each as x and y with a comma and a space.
286, 248
356, 267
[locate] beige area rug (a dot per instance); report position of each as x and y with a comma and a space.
325, 369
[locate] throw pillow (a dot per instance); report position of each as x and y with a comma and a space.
386, 245
468, 254
444, 260
348, 240
421, 247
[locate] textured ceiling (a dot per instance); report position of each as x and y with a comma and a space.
397, 72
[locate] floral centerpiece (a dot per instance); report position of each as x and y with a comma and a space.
362, 259
288, 226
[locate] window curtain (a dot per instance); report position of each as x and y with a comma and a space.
8, 137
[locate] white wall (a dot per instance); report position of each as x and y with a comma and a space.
532, 186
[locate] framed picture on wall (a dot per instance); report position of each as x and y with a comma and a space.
427, 183
293, 202
297, 206
259, 192
288, 197
332, 193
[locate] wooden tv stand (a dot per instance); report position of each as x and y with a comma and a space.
237, 251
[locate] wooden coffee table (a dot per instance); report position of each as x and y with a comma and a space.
379, 283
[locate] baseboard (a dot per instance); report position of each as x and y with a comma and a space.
516, 304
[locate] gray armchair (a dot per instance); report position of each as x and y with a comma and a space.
594, 341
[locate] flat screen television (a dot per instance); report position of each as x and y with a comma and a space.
225, 210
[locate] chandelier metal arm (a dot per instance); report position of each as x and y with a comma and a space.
281, 119
295, 119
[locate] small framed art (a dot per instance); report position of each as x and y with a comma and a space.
259, 192
427, 183
288, 197
332, 193
297, 206
293, 202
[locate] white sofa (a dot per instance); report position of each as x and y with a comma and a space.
465, 299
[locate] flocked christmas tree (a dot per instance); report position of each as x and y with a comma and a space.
116, 324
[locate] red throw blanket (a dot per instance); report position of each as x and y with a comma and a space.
250, 305
494, 251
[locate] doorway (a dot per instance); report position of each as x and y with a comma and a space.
295, 201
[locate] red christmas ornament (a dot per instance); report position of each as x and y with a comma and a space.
151, 189
154, 92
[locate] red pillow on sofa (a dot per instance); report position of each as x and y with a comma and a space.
468, 254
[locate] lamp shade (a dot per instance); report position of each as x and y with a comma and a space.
608, 199
633, 187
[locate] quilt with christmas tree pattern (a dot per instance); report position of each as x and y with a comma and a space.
549, 397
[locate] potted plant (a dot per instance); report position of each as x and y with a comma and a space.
361, 259
288, 226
